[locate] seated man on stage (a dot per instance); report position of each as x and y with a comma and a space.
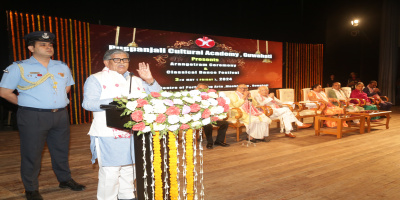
285, 115
257, 124
223, 126
113, 148
337, 93
372, 91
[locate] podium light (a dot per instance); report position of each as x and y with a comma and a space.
133, 43
116, 36
258, 48
266, 60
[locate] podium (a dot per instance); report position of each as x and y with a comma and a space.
115, 120
165, 167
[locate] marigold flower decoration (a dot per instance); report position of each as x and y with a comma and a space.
189, 164
173, 166
157, 167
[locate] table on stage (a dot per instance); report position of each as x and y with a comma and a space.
339, 129
368, 114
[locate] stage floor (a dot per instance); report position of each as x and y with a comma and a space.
308, 167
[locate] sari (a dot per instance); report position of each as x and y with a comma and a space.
362, 95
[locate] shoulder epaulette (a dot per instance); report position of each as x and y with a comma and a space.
19, 62
60, 62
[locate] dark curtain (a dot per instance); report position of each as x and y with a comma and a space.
389, 44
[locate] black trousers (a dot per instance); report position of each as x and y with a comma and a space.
223, 126
385, 106
36, 128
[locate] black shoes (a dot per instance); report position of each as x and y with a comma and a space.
263, 140
33, 195
71, 184
259, 140
223, 144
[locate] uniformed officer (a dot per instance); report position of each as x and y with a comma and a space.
42, 84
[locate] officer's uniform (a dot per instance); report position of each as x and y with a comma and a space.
42, 115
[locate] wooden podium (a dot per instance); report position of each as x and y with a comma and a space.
114, 120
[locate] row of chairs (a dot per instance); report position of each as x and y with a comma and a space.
302, 109
347, 91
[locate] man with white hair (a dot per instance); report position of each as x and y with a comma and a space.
285, 115
337, 93
111, 147
257, 124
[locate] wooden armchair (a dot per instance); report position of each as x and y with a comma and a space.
308, 108
347, 91
327, 89
234, 116
377, 101
286, 95
302, 109
358, 102
268, 111
345, 104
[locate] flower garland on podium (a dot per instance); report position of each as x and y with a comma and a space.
165, 114
157, 167
173, 166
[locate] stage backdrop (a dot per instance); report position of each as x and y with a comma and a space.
179, 61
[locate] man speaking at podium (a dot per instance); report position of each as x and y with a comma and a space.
113, 147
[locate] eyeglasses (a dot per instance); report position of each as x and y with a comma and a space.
243, 88
118, 60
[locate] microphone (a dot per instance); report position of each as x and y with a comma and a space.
130, 81
249, 97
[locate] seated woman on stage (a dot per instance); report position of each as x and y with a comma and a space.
258, 125
284, 114
316, 94
359, 94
